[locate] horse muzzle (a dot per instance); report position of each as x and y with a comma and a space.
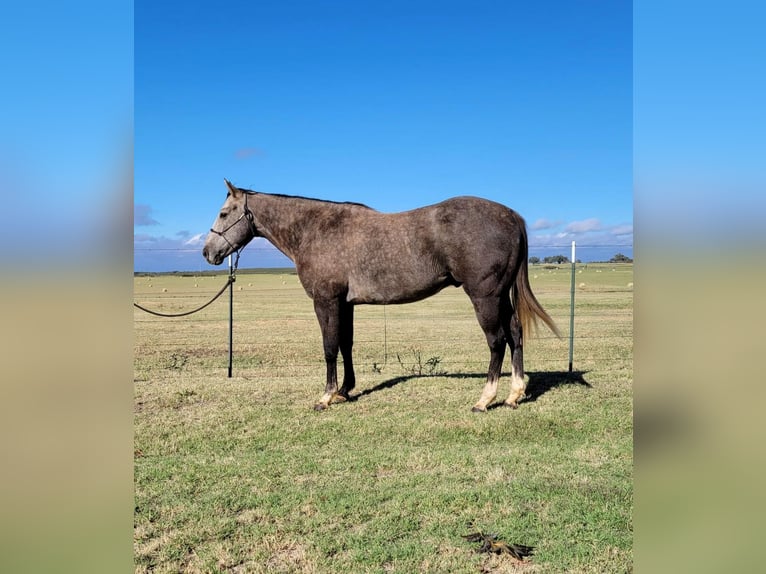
212, 255
217, 260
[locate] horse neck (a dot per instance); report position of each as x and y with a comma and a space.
280, 219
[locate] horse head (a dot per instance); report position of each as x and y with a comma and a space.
232, 229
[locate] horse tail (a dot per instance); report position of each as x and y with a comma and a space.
524, 301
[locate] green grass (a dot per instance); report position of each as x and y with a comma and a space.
241, 475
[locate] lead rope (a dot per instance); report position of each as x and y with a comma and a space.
229, 281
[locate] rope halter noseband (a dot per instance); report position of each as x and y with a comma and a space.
249, 217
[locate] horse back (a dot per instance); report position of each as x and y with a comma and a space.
376, 257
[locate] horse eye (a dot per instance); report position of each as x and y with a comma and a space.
222, 215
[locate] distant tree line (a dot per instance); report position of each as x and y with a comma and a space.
558, 259
550, 259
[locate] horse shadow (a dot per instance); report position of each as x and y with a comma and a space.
540, 382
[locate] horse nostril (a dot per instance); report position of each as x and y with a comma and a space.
204, 252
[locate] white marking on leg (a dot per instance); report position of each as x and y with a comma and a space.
487, 396
518, 387
324, 402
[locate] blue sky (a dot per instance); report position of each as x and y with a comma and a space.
66, 109
700, 126
396, 105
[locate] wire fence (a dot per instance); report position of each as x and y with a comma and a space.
275, 326
151, 258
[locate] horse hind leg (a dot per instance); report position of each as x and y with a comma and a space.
516, 344
488, 314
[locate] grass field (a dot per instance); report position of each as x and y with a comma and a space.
241, 475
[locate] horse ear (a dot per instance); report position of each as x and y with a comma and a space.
232, 190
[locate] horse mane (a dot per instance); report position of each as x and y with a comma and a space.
354, 203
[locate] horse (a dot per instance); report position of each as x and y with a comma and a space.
347, 254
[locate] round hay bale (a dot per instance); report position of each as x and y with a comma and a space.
630, 284
164, 289
582, 285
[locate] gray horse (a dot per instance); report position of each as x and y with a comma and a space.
348, 254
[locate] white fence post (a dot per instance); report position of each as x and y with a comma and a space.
571, 310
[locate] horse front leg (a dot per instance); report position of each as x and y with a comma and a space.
328, 314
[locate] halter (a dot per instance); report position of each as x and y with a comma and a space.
250, 221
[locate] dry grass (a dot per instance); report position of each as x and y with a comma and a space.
241, 475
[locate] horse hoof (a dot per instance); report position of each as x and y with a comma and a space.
511, 405
478, 410
320, 407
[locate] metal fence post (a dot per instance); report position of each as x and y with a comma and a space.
231, 314
571, 310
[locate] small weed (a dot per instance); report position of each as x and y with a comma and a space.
433, 366
418, 367
178, 399
177, 361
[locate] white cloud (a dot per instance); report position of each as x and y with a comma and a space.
142, 215
622, 230
589, 233
196, 240
183, 252
544, 224
144, 238
248, 152
584, 226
